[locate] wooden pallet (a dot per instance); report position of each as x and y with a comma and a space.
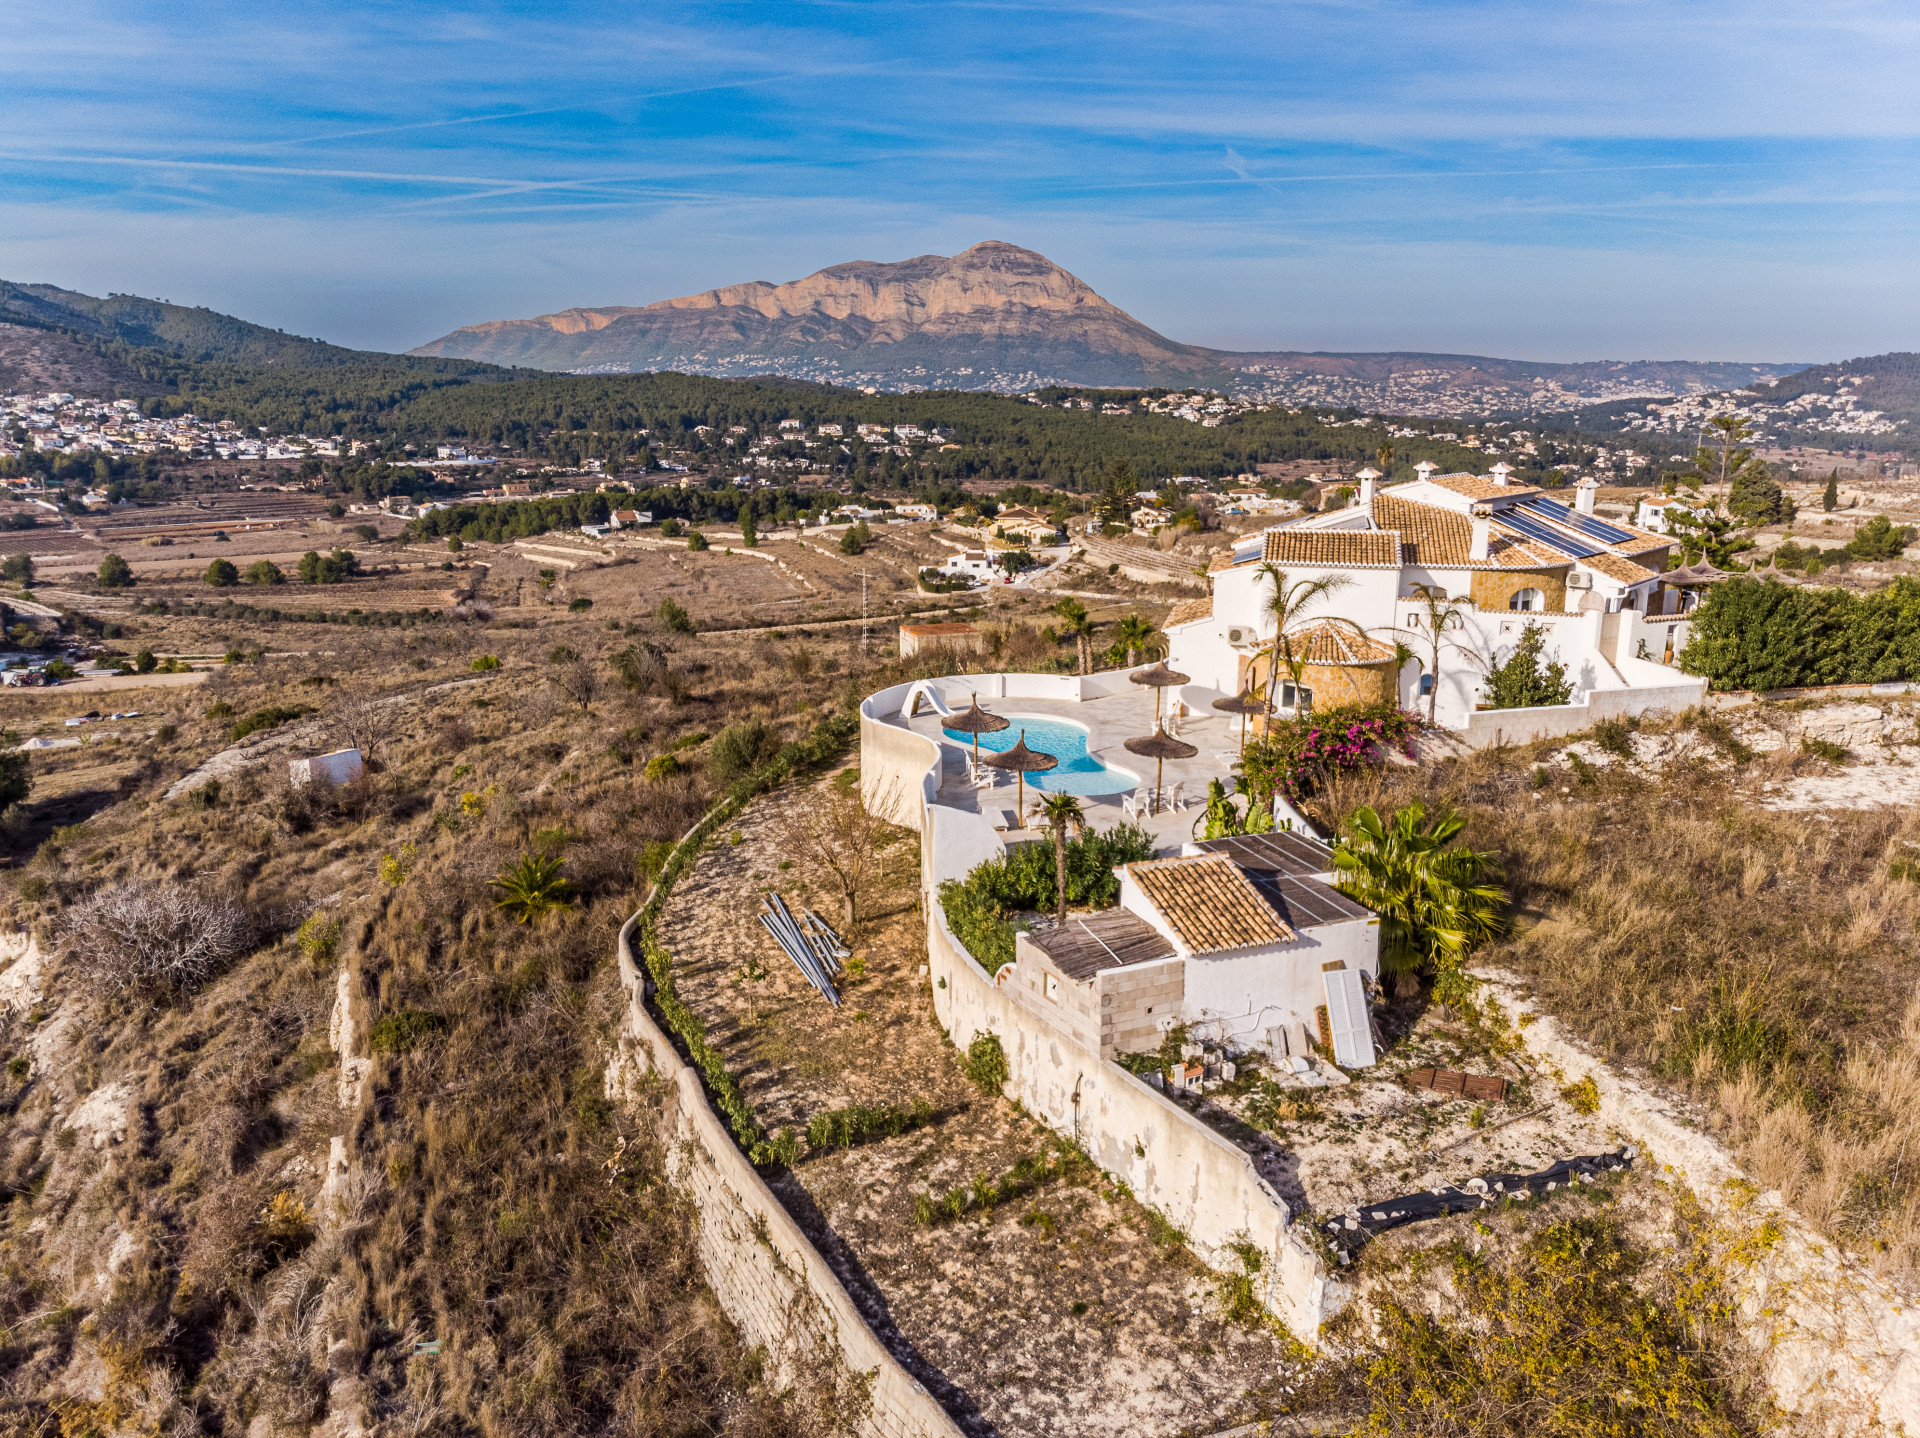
1479, 1087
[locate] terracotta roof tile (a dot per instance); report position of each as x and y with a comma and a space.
1444, 537
1188, 610
1331, 643
1210, 903
1614, 567
1479, 486
1348, 547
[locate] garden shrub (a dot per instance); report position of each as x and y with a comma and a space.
1290, 760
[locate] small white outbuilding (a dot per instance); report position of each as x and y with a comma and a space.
342, 766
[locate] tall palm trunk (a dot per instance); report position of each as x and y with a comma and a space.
1060, 871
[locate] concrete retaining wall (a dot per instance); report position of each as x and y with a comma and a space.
1840, 1346
768, 1276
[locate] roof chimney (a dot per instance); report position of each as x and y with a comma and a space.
1482, 537
1500, 472
1583, 494
1425, 468
1366, 477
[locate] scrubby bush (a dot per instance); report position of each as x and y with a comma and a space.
115, 573
674, 617
987, 1064
222, 574
153, 940
739, 749
334, 568
265, 571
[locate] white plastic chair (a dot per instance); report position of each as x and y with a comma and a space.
1178, 802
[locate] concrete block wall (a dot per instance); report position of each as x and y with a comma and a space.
767, 1275
1134, 1001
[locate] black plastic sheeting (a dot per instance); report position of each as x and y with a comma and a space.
1349, 1232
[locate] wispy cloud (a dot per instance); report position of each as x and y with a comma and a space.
1228, 170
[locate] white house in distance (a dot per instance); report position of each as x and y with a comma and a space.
1243, 940
1509, 554
972, 564
1656, 513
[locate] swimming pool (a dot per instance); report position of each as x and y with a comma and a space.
1078, 771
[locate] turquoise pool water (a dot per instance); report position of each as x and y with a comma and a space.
1078, 771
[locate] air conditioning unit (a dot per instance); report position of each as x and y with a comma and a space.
1241, 637
1577, 580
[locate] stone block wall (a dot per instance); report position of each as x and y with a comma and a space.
766, 1274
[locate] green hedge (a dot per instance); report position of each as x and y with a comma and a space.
1760, 634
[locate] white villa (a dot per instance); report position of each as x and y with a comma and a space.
1509, 555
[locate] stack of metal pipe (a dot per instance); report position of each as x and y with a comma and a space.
810, 941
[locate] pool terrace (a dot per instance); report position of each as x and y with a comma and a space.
1109, 716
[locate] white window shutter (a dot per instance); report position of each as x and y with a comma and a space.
1347, 1017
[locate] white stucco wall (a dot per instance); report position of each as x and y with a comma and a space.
1240, 996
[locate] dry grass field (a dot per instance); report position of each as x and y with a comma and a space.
1761, 960
175, 1257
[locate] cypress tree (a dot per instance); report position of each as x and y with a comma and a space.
1830, 499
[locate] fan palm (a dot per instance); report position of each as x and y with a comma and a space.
1077, 624
1135, 634
532, 887
1061, 810
1435, 902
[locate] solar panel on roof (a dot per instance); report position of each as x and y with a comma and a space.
1535, 527
1585, 523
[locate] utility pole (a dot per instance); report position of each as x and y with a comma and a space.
863, 614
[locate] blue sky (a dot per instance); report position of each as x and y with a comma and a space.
1541, 180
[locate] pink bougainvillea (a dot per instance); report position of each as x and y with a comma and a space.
1290, 759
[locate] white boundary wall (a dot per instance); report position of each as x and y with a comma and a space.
1173, 1162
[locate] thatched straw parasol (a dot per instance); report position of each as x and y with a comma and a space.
1160, 746
976, 721
1158, 677
1021, 761
1243, 705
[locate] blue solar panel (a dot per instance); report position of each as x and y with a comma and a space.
1596, 528
1536, 528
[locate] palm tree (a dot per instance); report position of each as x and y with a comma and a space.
532, 887
1061, 810
1385, 455
1442, 614
1135, 634
1286, 604
1077, 624
1435, 903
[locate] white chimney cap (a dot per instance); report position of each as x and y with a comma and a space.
1368, 473
1500, 472
1425, 468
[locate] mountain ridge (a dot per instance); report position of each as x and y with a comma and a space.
999, 316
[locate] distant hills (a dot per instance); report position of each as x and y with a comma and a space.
189, 333
1000, 317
